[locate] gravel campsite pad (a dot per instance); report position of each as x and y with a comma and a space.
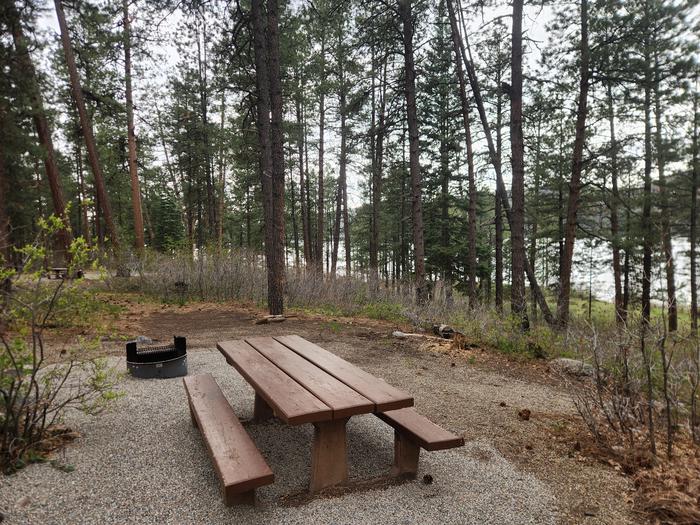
144, 462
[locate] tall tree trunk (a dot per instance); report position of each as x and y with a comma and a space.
86, 126
264, 69
378, 125
414, 160
666, 241
535, 213
495, 161
305, 227
471, 233
620, 312
576, 170
202, 66
277, 120
5, 243
646, 206
321, 146
695, 187
335, 237
131, 135
295, 230
42, 126
222, 176
517, 151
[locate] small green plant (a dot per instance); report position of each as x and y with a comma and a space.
35, 395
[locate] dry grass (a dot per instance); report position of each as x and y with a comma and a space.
670, 492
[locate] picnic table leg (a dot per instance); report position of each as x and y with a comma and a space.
406, 454
261, 410
329, 460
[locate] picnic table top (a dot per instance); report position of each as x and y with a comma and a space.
304, 383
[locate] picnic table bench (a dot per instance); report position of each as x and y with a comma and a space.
58, 273
299, 382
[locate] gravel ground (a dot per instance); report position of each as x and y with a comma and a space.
143, 462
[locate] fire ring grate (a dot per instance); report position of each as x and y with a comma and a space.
157, 361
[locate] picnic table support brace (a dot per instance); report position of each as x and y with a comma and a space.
239, 498
406, 454
329, 460
261, 410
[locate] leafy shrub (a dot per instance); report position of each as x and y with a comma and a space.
35, 395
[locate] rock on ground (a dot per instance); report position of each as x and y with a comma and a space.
572, 367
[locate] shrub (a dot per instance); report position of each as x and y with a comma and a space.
35, 395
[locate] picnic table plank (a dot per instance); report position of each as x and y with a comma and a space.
290, 401
341, 398
384, 396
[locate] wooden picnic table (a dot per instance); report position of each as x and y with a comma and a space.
300, 382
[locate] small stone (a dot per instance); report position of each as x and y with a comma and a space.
573, 367
524, 414
502, 404
427, 479
590, 511
23, 502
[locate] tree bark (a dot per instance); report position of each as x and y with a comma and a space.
42, 126
646, 205
277, 119
321, 146
266, 48
305, 227
695, 187
517, 150
414, 153
576, 170
86, 125
131, 135
222, 177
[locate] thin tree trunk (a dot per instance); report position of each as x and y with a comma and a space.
495, 161
42, 127
222, 177
321, 145
695, 187
306, 231
5, 244
646, 207
517, 150
86, 125
535, 213
84, 223
471, 232
666, 241
131, 135
620, 312
576, 170
414, 160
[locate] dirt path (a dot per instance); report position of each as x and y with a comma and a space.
476, 393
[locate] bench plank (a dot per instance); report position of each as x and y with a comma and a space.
383, 395
239, 464
341, 398
420, 429
291, 402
